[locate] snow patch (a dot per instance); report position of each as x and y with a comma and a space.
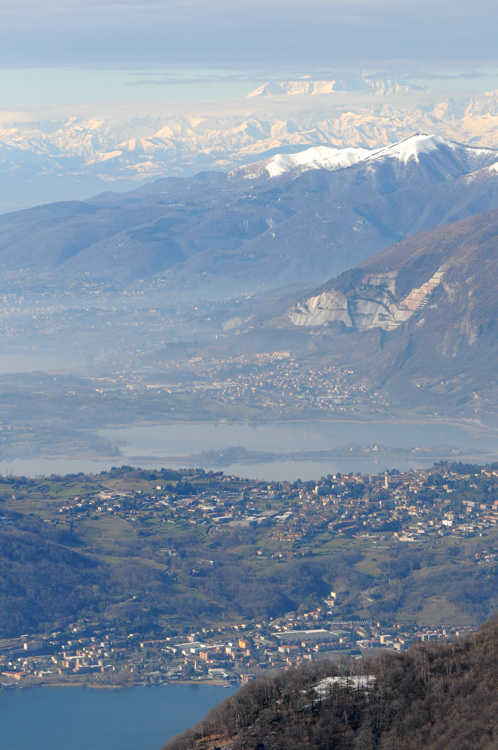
104, 157
318, 157
412, 148
357, 682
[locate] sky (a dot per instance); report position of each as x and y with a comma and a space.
74, 51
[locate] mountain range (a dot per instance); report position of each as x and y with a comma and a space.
370, 83
289, 219
76, 156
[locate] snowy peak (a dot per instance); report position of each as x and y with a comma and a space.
295, 88
404, 152
419, 144
411, 148
446, 156
319, 157
379, 85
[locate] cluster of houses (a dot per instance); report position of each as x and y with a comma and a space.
232, 654
272, 380
403, 507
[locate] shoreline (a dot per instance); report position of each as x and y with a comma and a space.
196, 461
100, 686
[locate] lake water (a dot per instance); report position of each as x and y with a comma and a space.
277, 471
156, 445
30, 361
183, 439
138, 718
193, 437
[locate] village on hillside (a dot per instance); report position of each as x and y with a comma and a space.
446, 505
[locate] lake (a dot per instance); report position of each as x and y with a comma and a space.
193, 437
140, 442
138, 718
277, 471
155, 446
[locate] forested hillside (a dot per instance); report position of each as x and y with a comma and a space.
431, 697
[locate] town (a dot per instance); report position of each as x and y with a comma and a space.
226, 655
267, 386
389, 532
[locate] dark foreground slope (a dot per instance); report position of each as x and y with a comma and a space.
432, 697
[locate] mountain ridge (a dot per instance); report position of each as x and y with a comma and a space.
327, 158
433, 696
373, 83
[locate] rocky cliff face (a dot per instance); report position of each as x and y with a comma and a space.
372, 304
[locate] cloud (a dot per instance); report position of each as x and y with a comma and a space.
162, 79
238, 33
463, 75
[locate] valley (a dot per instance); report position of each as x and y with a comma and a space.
206, 298
204, 301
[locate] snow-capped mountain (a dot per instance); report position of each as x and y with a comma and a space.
317, 157
76, 157
302, 218
414, 148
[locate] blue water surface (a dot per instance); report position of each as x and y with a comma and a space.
138, 718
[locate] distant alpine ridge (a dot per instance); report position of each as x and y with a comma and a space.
379, 85
289, 219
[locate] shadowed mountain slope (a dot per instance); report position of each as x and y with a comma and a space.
420, 317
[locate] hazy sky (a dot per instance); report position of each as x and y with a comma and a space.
93, 50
